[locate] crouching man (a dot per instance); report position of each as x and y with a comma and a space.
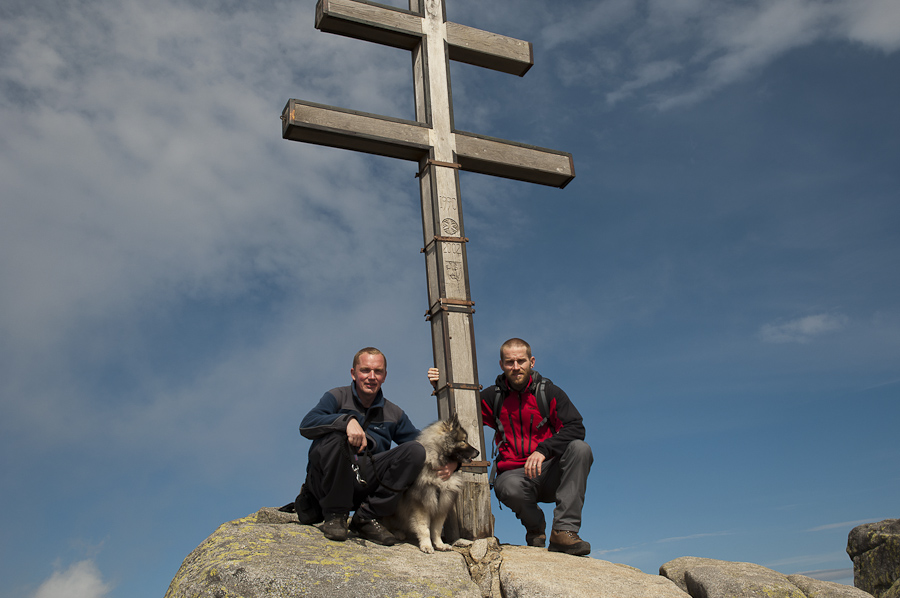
341, 474
542, 455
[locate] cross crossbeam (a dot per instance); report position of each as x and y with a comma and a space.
409, 140
403, 29
441, 152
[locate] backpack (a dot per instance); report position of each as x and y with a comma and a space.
496, 402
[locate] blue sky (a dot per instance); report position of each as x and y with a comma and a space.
717, 289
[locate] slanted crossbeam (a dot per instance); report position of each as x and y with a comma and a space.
441, 152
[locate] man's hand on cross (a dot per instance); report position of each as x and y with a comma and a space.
433, 375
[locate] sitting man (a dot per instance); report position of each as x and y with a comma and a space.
341, 475
543, 457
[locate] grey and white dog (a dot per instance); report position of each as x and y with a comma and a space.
426, 504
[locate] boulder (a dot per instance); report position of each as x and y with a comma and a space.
816, 588
270, 554
874, 549
894, 591
528, 572
711, 578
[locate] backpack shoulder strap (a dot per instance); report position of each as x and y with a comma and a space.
540, 394
496, 404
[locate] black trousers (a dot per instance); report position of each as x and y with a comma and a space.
330, 478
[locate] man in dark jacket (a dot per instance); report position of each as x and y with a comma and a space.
341, 475
541, 458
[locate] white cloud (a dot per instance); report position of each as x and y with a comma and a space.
801, 330
694, 537
873, 23
81, 580
843, 524
837, 575
648, 74
142, 168
715, 43
580, 22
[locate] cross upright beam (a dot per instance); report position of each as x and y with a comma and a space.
441, 152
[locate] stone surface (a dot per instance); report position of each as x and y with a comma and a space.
675, 569
875, 551
894, 591
711, 578
816, 588
528, 572
270, 554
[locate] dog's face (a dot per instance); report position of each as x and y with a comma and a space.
460, 449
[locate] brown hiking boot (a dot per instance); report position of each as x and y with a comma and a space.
535, 538
335, 526
568, 542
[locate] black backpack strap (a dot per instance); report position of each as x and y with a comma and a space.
540, 394
496, 404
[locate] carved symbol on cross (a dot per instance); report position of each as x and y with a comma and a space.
441, 151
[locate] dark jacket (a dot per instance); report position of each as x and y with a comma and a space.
521, 418
383, 421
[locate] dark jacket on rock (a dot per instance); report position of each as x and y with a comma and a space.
383, 421
522, 422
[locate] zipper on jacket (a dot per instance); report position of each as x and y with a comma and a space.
531, 435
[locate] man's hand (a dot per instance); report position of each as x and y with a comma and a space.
355, 435
447, 470
433, 375
533, 464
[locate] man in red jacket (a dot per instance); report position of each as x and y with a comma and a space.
542, 455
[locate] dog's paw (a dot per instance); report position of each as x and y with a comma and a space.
426, 547
442, 547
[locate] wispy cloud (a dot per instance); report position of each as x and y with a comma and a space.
694, 537
809, 559
664, 541
681, 52
81, 580
828, 526
801, 330
142, 170
829, 574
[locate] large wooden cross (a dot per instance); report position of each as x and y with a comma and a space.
440, 151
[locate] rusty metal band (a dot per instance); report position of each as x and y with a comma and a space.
458, 386
460, 305
437, 239
430, 162
475, 466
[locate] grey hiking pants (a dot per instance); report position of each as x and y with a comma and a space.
562, 481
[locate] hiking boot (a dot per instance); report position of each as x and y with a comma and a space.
371, 529
307, 507
335, 527
535, 538
568, 542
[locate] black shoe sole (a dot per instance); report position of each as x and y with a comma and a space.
573, 549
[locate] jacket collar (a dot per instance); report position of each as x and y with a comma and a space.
377, 402
505, 389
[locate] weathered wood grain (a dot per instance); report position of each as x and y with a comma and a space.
371, 22
489, 50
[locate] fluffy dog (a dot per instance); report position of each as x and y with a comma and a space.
425, 505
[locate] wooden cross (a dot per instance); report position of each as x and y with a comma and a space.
440, 151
